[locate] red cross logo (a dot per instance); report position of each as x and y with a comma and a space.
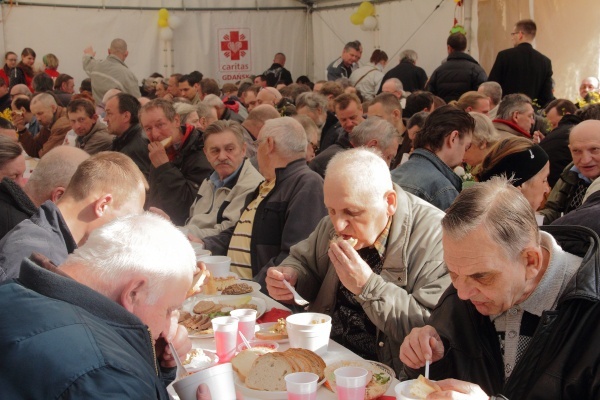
234, 45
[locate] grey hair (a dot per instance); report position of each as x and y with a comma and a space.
365, 167
484, 130
184, 110
288, 134
203, 110
409, 55
313, 101
397, 84
344, 82
493, 90
373, 128
512, 103
143, 244
45, 99
498, 207
213, 100
55, 169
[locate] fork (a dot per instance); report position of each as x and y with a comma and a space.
297, 298
181, 371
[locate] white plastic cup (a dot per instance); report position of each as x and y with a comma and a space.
402, 390
350, 383
539, 218
246, 324
226, 332
202, 254
301, 386
217, 265
218, 378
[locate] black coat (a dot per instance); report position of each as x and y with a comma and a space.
556, 145
523, 69
584, 215
459, 74
413, 78
563, 357
134, 143
15, 206
278, 74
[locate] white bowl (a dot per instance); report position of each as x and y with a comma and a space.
309, 331
402, 390
202, 254
218, 378
218, 266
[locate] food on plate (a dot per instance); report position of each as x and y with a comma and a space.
197, 359
200, 323
206, 306
167, 142
338, 239
222, 282
183, 315
268, 371
422, 386
381, 376
237, 288
242, 362
277, 331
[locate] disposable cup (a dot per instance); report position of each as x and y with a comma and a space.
217, 265
202, 254
219, 380
226, 332
350, 383
301, 386
309, 331
246, 324
402, 391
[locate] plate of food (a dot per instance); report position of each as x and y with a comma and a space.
198, 311
275, 331
381, 376
262, 375
229, 285
199, 359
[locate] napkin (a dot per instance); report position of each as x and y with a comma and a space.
273, 315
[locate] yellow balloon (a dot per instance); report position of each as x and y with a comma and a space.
366, 8
357, 18
163, 23
163, 13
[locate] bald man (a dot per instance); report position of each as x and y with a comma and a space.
277, 72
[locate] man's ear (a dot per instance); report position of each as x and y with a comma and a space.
453, 139
133, 294
57, 193
391, 199
533, 260
102, 204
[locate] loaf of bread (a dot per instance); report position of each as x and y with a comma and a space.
242, 362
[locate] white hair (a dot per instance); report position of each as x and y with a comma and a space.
397, 84
137, 244
289, 136
373, 128
213, 100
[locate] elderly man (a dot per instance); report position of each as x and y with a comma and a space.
393, 86
412, 77
349, 113
97, 327
343, 66
520, 320
21, 113
384, 285
567, 194
111, 72
515, 116
179, 167
53, 120
379, 134
439, 147
104, 187
312, 135
388, 107
321, 109
313, 105
268, 95
523, 69
283, 210
223, 113
254, 123
92, 134
588, 85
493, 91
221, 197
123, 122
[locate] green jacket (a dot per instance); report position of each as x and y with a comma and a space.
561, 195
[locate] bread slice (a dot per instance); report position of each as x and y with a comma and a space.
422, 387
268, 372
242, 362
167, 142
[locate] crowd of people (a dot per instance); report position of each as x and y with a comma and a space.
467, 203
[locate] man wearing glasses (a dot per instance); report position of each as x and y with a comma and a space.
523, 69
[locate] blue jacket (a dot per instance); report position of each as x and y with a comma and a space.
60, 339
428, 177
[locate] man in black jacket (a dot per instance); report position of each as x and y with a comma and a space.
277, 73
413, 78
520, 319
460, 72
523, 69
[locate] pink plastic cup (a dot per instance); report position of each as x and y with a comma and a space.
350, 383
301, 386
226, 332
246, 324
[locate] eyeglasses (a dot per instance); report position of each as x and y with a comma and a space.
314, 146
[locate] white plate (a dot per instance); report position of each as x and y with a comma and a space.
214, 359
188, 305
371, 366
263, 394
265, 327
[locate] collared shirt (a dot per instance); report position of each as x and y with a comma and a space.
381, 241
214, 178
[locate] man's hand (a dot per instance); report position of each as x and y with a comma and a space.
18, 120
352, 270
157, 154
538, 137
179, 337
89, 51
275, 286
455, 389
168, 96
160, 212
419, 345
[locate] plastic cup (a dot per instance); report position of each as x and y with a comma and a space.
309, 331
350, 383
301, 386
226, 332
217, 265
246, 324
218, 378
202, 254
539, 218
402, 391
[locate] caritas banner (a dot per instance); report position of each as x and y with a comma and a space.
234, 54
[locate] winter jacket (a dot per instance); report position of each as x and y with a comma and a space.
428, 177
15, 206
98, 139
584, 215
413, 78
559, 199
287, 215
401, 297
216, 210
134, 143
173, 185
319, 163
48, 137
556, 145
46, 232
508, 128
563, 356
278, 74
459, 74
336, 70
110, 73
60, 339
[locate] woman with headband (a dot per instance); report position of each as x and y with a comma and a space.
522, 161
